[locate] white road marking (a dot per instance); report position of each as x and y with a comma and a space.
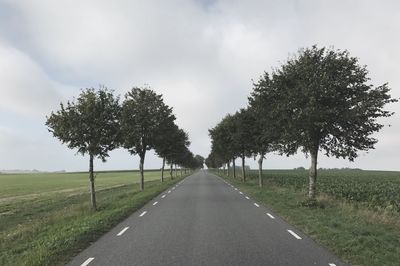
89, 260
332, 264
255, 204
294, 234
169, 191
163, 196
143, 213
123, 231
155, 203
240, 192
247, 197
270, 216
236, 189
173, 188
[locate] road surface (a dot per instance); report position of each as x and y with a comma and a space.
204, 220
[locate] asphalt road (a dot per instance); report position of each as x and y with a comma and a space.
204, 221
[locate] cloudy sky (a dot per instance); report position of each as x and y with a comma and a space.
202, 55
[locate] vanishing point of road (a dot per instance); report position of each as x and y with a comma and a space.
204, 220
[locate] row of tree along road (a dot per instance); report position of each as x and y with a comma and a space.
96, 123
318, 100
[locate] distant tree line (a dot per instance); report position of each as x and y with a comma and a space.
97, 122
319, 100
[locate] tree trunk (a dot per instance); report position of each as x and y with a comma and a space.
181, 171
92, 188
313, 174
162, 169
176, 172
234, 168
170, 172
243, 170
141, 167
260, 163
229, 166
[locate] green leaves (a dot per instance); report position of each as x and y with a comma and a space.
95, 124
325, 102
319, 99
148, 123
89, 124
142, 119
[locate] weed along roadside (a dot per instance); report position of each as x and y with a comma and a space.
50, 229
359, 234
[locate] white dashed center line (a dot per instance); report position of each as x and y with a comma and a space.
123, 231
270, 216
255, 204
163, 196
143, 213
155, 203
247, 197
89, 260
294, 234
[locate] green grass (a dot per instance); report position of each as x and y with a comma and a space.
374, 189
358, 233
13, 185
56, 223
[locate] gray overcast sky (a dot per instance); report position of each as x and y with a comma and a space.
201, 55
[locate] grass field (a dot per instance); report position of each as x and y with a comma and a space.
46, 218
350, 220
374, 189
13, 185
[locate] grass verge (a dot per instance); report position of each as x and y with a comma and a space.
49, 230
356, 234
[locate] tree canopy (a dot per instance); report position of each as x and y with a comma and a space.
326, 103
89, 124
319, 100
143, 116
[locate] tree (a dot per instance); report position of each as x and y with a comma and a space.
89, 124
266, 132
142, 117
185, 158
212, 161
223, 147
164, 141
242, 137
325, 102
178, 148
199, 161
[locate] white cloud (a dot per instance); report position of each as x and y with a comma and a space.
25, 88
201, 55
